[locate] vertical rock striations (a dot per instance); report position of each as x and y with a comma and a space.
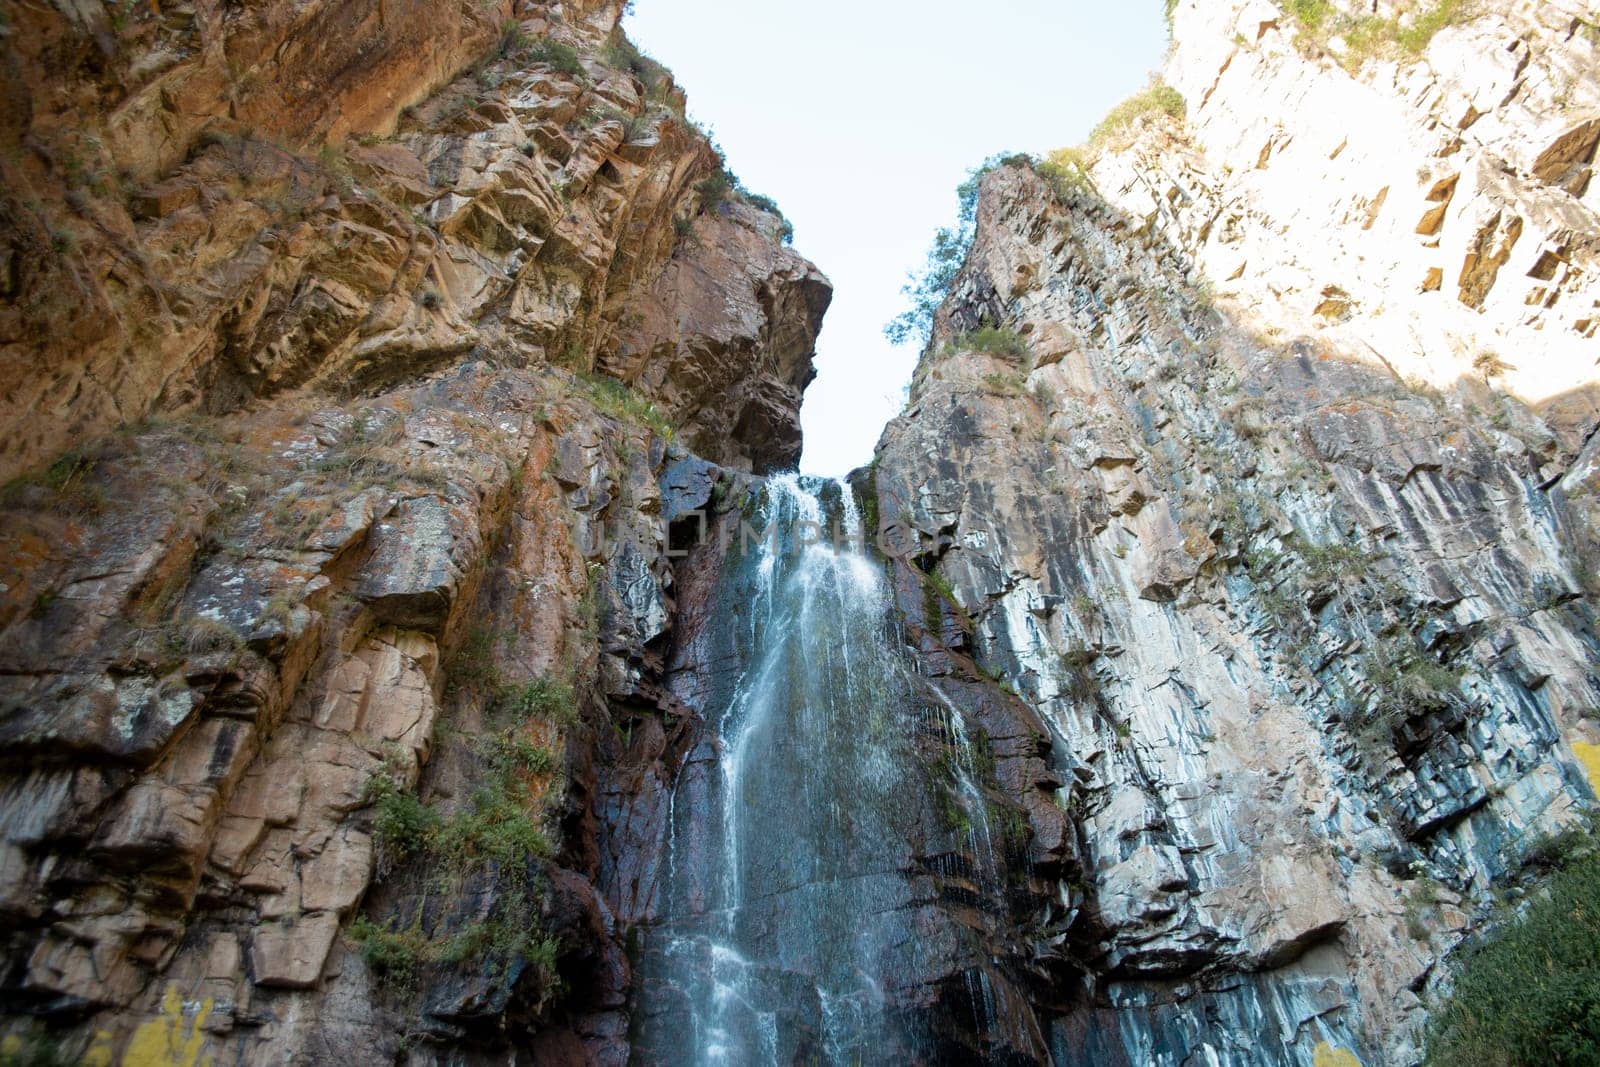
1203, 452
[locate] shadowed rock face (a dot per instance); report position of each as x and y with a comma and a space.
317, 644
725, 339
842, 866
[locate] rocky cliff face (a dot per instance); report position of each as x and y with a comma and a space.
342, 342
1222, 494
370, 369
207, 207
1448, 181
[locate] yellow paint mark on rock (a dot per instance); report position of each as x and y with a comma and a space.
166, 1041
1589, 756
99, 1053
1328, 1056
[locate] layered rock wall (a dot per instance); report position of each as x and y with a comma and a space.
209, 208
343, 346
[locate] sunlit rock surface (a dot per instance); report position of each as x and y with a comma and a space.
1306, 603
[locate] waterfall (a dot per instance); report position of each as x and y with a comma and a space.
786, 911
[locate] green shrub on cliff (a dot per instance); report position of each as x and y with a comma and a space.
623, 54
544, 698
1406, 683
926, 289
401, 821
1401, 36
1008, 385
1528, 992
770, 206
1310, 13
393, 955
714, 189
496, 833
994, 341
615, 398
723, 186
1066, 170
1156, 98
562, 57
470, 667
513, 41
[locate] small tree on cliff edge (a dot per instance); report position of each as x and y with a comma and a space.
926, 290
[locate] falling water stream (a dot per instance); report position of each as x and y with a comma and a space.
786, 912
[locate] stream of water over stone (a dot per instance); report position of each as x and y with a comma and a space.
786, 910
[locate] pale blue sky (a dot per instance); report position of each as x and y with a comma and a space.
860, 118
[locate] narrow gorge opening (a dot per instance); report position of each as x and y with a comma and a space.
417, 645
865, 163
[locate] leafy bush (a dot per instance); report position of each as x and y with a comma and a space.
614, 398
544, 697
927, 289
1406, 682
1080, 680
500, 823
562, 57
1334, 561
471, 667
1156, 98
714, 189
1310, 13
504, 938
1554, 850
402, 823
1066, 170
936, 593
498, 826
1528, 992
509, 754
396, 955
1365, 36
994, 341
513, 41
499, 829
393, 955
770, 206
1413, 38
623, 54
1001, 384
